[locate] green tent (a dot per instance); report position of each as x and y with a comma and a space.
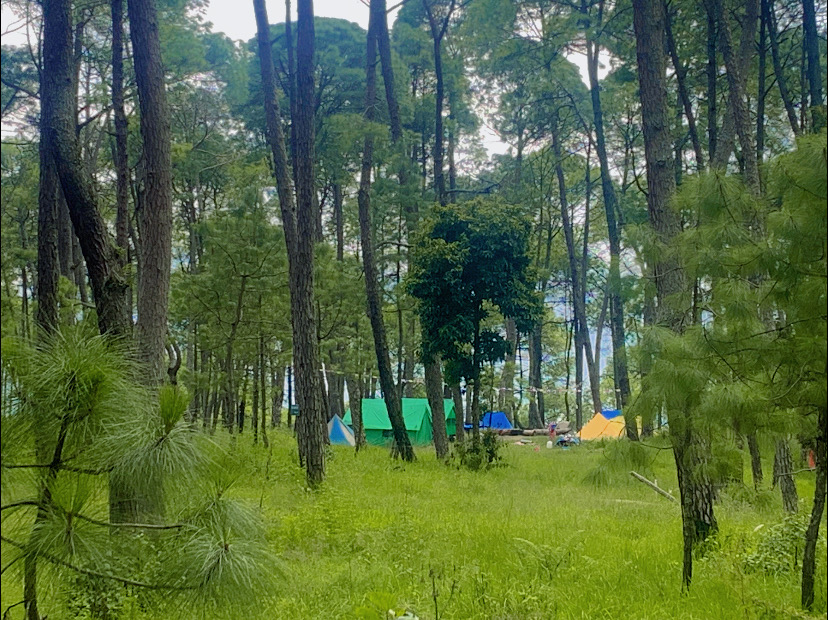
416, 414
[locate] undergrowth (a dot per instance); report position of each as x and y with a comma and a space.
530, 540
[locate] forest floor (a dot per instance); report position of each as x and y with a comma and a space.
562, 533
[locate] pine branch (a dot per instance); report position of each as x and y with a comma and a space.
28, 502
143, 526
92, 573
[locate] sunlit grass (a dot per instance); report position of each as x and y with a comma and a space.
533, 539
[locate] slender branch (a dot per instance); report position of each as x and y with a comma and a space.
142, 526
92, 573
28, 502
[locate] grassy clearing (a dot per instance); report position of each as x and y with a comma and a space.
552, 534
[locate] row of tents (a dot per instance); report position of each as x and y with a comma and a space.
417, 416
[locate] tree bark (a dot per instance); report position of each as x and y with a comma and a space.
438, 30
312, 431
811, 43
58, 122
619, 339
434, 391
696, 491
254, 413
263, 389
355, 402
402, 443
812, 533
736, 80
783, 476
577, 292
755, 459
536, 403
48, 274
120, 157
712, 71
761, 88
277, 392
739, 63
779, 73
681, 74
339, 222
156, 212
65, 236
506, 396
457, 397
298, 222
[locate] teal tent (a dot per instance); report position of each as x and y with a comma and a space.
416, 414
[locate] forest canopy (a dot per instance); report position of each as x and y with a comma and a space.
213, 249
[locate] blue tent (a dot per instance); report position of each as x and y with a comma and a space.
496, 420
340, 434
609, 414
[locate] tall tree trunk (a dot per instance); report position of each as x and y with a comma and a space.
65, 236
312, 431
438, 30
577, 292
339, 222
254, 412
120, 157
578, 339
239, 392
156, 214
712, 71
262, 390
402, 443
681, 74
648, 319
812, 533
59, 127
47, 318
755, 459
811, 43
695, 488
79, 271
779, 73
761, 87
459, 411
737, 68
783, 475
619, 338
277, 392
355, 401
506, 395
536, 403
736, 80
298, 223
434, 391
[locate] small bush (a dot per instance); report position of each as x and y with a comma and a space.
484, 455
779, 548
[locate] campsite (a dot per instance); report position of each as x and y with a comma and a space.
413, 309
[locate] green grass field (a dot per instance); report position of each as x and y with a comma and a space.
540, 537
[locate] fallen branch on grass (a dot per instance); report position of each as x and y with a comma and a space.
653, 486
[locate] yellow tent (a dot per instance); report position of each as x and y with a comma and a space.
603, 425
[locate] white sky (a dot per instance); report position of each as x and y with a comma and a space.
235, 18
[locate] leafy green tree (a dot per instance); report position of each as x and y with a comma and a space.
470, 259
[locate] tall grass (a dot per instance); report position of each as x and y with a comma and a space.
537, 538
